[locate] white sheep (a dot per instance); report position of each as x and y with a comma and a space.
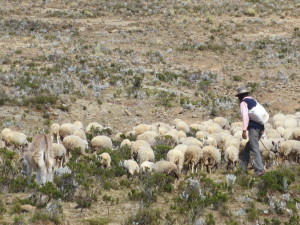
296, 134
210, 141
101, 142
105, 160
201, 135
14, 138
125, 143
278, 116
231, 156
162, 128
231, 142
67, 129
78, 124
181, 125
54, 130
269, 151
93, 126
80, 133
146, 167
176, 156
73, 142
131, 167
145, 153
290, 150
197, 127
223, 122
135, 145
181, 134
166, 167
214, 128
149, 136
211, 158
288, 134
181, 147
173, 133
193, 157
118, 136
290, 123
59, 154
142, 128
272, 133
191, 141
280, 131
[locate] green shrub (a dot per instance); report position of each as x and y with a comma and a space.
252, 212
66, 185
210, 220
276, 180
161, 151
2, 207
293, 220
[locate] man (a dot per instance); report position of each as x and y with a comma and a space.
255, 130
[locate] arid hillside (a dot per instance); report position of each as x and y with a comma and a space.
125, 62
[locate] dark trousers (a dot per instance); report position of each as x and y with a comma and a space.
252, 147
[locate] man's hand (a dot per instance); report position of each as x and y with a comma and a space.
244, 134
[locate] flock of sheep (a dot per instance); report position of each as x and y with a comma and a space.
194, 146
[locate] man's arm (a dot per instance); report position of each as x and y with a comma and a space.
245, 118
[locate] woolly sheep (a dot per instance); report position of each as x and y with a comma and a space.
146, 167
101, 142
176, 156
272, 133
135, 145
269, 151
105, 160
124, 143
14, 138
80, 133
93, 126
288, 133
173, 133
211, 158
59, 154
222, 122
181, 125
145, 153
278, 116
142, 128
78, 124
296, 134
72, 142
118, 136
236, 124
181, 148
131, 167
290, 150
181, 134
166, 167
232, 142
54, 130
231, 156
191, 141
280, 131
197, 127
149, 136
214, 128
210, 141
67, 129
193, 157
201, 135
290, 123
162, 128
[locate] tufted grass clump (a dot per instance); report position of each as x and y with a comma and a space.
98, 221
147, 216
43, 217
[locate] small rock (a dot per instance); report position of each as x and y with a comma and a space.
240, 212
28, 208
127, 113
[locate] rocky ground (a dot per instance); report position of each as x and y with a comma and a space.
121, 63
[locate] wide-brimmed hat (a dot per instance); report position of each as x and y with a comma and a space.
241, 90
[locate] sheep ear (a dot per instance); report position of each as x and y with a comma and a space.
273, 143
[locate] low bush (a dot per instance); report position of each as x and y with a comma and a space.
145, 216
